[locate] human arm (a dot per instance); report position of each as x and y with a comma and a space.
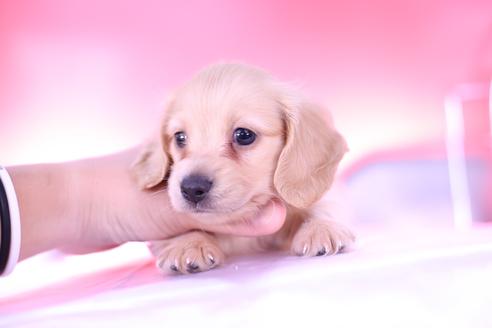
93, 204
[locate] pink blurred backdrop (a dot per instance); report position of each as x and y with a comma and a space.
81, 78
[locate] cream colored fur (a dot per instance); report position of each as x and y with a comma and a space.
294, 158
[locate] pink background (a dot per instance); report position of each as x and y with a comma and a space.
87, 77
80, 78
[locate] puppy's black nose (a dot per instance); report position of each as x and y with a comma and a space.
194, 188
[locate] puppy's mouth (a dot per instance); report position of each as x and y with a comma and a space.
198, 208
214, 207
259, 220
204, 208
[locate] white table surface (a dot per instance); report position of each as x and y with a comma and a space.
412, 277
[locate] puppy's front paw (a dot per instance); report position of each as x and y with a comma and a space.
318, 238
189, 253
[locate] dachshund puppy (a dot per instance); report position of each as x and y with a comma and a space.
233, 140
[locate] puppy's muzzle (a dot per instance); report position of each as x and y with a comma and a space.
195, 188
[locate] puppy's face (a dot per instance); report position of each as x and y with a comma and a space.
224, 144
233, 138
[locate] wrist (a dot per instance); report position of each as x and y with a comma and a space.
42, 193
89, 205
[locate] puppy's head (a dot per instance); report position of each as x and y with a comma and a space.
233, 138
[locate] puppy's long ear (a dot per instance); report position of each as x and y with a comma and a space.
309, 160
151, 166
153, 162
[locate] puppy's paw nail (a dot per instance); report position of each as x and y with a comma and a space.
340, 248
192, 267
321, 252
173, 268
305, 249
211, 258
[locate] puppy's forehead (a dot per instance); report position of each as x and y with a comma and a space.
216, 106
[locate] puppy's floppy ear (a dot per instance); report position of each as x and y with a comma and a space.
310, 157
153, 162
151, 166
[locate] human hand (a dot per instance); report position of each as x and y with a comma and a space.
92, 204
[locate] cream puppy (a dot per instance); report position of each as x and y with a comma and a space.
233, 141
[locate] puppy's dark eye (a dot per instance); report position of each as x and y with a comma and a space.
180, 138
244, 136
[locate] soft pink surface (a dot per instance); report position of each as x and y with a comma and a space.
435, 277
